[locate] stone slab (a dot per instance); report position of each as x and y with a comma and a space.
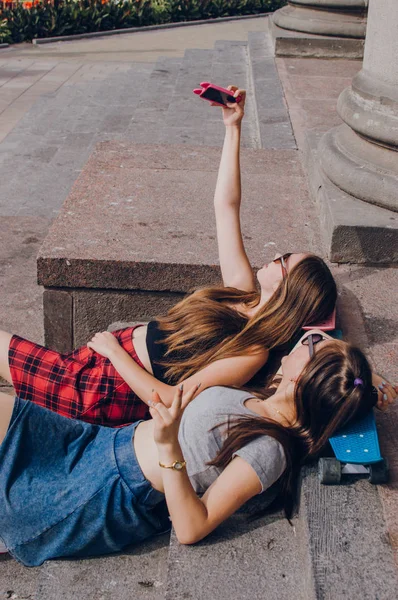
153, 225
42, 156
17, 581
353, 231
274, 125
266, 558
294, 43
311, 88
370, 308
58, 320
351, 552
95, 310
20, 296
137, 573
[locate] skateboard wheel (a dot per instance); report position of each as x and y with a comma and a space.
329, 471
378, 472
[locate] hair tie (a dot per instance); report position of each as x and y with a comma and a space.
358, 381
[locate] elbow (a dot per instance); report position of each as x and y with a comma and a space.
188, 539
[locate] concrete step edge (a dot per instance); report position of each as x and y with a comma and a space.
272, 115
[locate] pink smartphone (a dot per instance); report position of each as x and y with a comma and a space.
214, 93
327, 325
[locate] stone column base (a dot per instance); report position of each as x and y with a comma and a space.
306, 45
324, 21
364, 170
353, 231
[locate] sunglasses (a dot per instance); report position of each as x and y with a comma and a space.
283, 262
311, 341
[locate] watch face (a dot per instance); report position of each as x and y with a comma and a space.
178, 465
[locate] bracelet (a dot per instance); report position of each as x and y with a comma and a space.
177, 465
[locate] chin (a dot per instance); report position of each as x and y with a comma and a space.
261, 276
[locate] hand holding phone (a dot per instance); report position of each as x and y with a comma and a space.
216, 94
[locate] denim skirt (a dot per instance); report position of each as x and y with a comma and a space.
72, 489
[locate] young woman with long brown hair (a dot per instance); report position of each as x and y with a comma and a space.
69, 488
218, 336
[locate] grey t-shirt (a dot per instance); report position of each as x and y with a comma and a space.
200, 444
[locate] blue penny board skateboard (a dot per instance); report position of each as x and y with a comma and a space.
356, 449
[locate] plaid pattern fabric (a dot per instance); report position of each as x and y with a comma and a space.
80, 385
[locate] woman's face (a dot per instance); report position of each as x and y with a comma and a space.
271, 274
294, 363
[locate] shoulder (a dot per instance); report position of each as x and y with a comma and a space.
266, 456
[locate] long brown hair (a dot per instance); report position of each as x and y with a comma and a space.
325, 400
205, 327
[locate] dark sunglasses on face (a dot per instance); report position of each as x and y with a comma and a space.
311, 340
283, 262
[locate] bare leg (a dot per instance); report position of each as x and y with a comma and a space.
5, 339
6, 408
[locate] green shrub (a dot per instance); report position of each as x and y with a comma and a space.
5, 33
67, 17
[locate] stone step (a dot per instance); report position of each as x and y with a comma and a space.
139, 573
180, 119
189, 119
265, 558
148, 122
351, 554
48, 147
273, 121
231, 66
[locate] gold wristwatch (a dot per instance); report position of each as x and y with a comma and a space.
177, 465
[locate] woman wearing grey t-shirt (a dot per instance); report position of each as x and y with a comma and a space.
69, 488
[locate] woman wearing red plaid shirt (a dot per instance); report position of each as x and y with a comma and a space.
218, 336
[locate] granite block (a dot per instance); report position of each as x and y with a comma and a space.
95, 310
153, 227
58, 320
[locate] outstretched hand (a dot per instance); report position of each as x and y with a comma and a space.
167, 420
234, 112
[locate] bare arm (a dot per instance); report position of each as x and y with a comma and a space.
227, 371
235, 267
200, 516
193, 518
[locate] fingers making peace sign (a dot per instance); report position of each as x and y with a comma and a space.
167, 420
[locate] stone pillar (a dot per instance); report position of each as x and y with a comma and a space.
361, 156
340, 18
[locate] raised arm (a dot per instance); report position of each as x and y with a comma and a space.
228, 371
235, 267
193, 518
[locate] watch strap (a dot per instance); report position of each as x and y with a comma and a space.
177, 465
